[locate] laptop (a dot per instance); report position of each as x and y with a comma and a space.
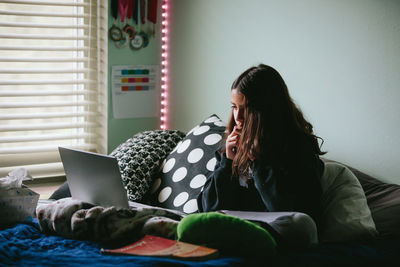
94, 178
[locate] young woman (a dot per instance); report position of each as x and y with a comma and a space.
270, 156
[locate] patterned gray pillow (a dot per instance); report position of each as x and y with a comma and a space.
141, 156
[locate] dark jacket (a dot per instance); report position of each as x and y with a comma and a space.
292, 186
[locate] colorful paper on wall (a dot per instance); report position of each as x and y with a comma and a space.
135, 91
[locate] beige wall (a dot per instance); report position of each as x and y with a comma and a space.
340, 59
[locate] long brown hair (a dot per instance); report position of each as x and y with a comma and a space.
271, 119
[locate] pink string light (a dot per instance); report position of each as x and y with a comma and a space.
164, 65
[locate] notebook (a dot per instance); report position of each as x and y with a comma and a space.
94, 178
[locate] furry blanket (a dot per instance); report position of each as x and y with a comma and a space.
72, 218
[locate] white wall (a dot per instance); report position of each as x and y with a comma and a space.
339, 58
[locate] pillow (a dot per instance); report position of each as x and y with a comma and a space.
384, 202
186, 168
227, 233
140, 157
61, 192
346, 214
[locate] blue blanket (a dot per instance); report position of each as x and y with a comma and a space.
25, 245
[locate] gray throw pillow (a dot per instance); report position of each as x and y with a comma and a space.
384, 201
346, 215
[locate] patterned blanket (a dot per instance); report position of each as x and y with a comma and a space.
72, 218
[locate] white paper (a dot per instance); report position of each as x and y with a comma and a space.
136, 91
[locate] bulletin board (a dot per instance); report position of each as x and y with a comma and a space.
136, 91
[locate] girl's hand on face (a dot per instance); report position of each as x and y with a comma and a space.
232, 142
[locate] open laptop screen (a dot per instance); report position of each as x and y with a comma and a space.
94, 178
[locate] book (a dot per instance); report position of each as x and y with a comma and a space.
156, 246
258, 216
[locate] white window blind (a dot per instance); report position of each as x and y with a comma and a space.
53, 82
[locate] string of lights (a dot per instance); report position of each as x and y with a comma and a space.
164, 65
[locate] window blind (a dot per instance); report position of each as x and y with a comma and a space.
53, 82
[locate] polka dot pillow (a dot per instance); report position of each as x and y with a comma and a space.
187, 167
141, 156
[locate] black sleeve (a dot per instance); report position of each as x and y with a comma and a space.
220, 190
294, 188
273, 192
